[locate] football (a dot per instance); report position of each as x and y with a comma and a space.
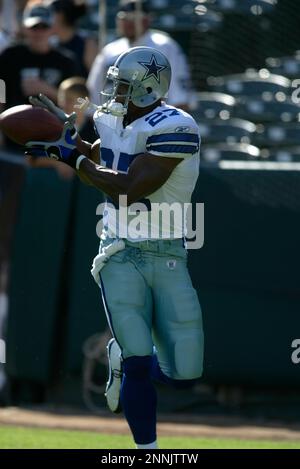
25, 123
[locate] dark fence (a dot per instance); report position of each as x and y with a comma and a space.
247, 277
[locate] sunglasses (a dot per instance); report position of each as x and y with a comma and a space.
40, 27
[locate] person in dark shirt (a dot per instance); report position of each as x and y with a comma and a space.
34, 66
83, 46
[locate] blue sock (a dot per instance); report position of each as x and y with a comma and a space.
160, 377
138, 398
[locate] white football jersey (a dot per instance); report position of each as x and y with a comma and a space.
165, 132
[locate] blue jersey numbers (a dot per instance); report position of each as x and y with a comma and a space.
124, 160
159, 116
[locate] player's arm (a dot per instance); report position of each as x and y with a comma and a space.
94, 156
146, 174
85, 148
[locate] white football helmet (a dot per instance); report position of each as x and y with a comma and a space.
146, 74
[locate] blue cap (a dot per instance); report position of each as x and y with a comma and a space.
37, 14
131, 5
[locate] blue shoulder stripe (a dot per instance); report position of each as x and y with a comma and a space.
174, 137
173, 148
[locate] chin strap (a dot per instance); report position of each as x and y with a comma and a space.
114, 108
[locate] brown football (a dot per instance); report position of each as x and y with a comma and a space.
25, 123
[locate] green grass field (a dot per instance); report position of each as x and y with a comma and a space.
38, 438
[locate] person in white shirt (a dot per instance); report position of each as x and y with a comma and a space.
133, 33
4, 41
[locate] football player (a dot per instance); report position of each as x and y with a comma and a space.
149, 153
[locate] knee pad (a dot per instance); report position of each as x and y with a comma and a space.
137, 367
188, 356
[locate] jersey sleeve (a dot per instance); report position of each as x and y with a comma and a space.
174, 142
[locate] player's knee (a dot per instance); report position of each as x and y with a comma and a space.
137, 367
136, 339
188, 356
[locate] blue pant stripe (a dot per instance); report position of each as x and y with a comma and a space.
107, 312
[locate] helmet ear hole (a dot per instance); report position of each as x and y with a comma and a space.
149, 90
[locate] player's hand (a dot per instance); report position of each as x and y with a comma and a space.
43, 101
64, 149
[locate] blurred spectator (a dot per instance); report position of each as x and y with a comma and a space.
4, 36
34, 67
4, 40
84, 47
68, 93
133, 27
9, 18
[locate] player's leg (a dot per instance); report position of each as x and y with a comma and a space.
178, 330
128, 304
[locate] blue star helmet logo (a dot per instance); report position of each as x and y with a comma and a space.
153, 69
